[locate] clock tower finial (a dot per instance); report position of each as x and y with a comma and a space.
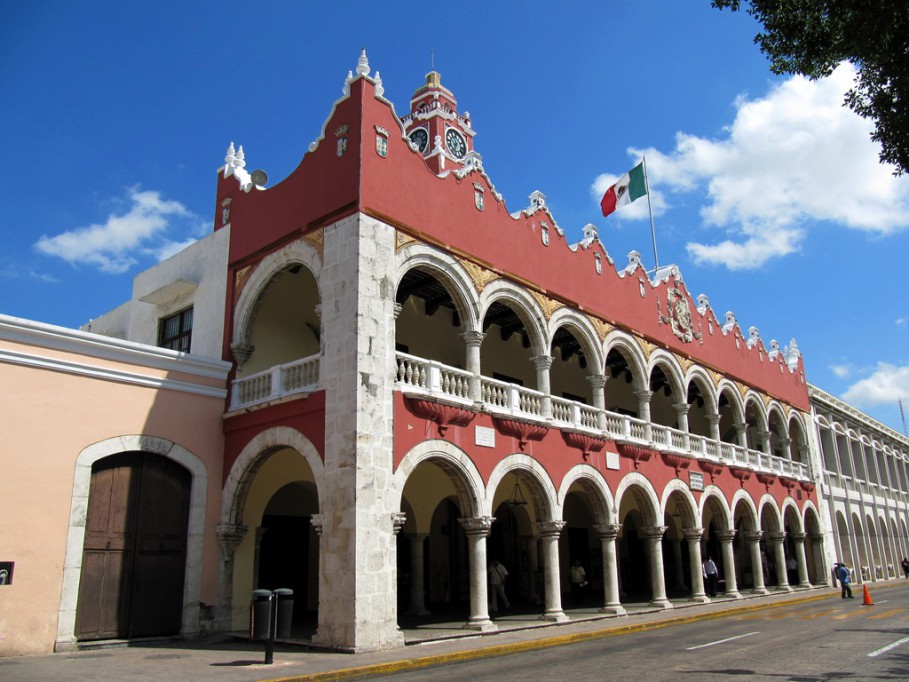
435, 128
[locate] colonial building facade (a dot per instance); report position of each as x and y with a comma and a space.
394, 379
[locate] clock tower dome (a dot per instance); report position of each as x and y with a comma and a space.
435, 128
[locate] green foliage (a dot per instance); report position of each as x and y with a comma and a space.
811, 37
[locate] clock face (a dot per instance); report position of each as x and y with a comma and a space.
456, 144
420, 138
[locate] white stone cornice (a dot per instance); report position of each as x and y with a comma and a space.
51, 337
108, 374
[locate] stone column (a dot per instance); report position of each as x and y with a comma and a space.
552, 592
785, 444
741, 432
732, 588
417, 598
765, 441
598, 391
753, 537
681, 411
542, 363
714, 421
644, 397
477, 529
798, 540
608, 533
693, 536
776, 543
229, 537
678, 569
472, 341
533, 565
653, 536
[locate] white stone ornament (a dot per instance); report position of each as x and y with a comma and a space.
381, 146
599, 263
544, 235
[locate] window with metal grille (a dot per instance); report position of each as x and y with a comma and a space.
175, 331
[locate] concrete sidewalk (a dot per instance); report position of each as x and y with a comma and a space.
227, 657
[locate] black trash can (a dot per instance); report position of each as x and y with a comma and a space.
285, 605
260, 615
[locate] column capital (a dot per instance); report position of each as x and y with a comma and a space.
241, 350
318, 523
653, 532
542, 361
797, 537
776, 536
477, 525
725, 535
607, 531
713, 419
681, 408
597, 381
230, 535
693, 533
397, 310
548, 529
754, 535
644, 395
473, 338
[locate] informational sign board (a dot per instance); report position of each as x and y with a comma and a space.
695, 480
485, 437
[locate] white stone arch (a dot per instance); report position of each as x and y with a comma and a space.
751, 517
645, 495
752, 397
450, 273
789, 504
705, 382
543, 494
596, 491
298, 252
631, 350
671, 368
713, 493
774, 407
523, 305
767, 505
803, 515
735, 398
690, 509
581, 326
463, 472
75, 539
243, 471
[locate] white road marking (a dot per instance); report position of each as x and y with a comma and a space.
728, 639
889, 647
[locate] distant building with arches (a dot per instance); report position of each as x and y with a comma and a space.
371, 379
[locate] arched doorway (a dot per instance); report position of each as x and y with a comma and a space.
134, 554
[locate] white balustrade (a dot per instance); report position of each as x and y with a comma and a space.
294, 377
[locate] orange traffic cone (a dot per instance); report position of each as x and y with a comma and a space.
866, 597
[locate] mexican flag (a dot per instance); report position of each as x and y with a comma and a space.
629, 187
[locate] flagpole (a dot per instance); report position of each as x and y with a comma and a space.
656, 258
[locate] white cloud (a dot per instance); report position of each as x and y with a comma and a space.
115, 245
900, 322
788, 160
842, 371
887, 384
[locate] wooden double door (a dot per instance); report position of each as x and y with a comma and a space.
134, 557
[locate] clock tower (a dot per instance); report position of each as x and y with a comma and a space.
436, 129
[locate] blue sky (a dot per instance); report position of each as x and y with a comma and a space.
767, 193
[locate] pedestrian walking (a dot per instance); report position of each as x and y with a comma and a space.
497, 576
711, 576
845, 579
905, 564
577, 577
792, 568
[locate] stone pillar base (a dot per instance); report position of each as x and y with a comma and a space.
700, 599
760, 590
784, 588
662, 603
480, 625
617, 610
805, 585
733, 595
555, 617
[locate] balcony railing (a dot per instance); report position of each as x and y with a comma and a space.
499, 397
434, 379
299, 376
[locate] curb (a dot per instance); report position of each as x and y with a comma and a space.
405, 664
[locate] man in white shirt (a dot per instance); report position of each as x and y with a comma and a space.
497, 575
